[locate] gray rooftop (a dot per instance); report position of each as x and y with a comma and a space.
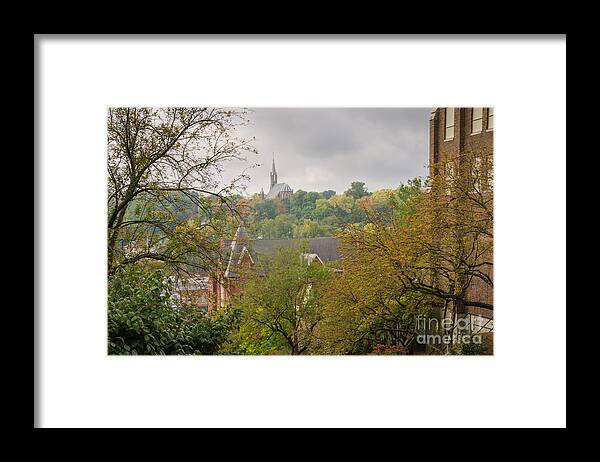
327, 248
276, 189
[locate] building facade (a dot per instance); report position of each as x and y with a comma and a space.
454, 131
197, 289
461, 139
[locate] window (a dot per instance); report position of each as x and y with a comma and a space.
449, 133
490, 119
477, 120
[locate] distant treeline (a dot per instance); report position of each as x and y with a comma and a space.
316, 214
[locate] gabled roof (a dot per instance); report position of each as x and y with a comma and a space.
245, 251
276, 189
327, 248
236, 248
311, 257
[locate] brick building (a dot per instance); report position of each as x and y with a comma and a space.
455, 130
460, 138
197, 289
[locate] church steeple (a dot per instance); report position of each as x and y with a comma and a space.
278, 190
273, 173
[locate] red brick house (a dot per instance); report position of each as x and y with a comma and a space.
197, 289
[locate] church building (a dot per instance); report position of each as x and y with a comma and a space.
277, 190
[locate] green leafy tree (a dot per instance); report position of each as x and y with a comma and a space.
327, 194
404, 204
144, 318
342, 206
156, 157
311, 228
424, 259
266, 210
323, 209
368, 308
302, 204
357, 190
298, 203
281, 227
281, 302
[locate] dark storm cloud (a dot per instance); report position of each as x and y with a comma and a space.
319, 149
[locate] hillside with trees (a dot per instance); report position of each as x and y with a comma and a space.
318, 214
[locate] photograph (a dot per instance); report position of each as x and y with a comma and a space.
300, 231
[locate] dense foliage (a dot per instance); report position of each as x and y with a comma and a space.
163, 168
144, 318
430, 252
282, 303
313, 214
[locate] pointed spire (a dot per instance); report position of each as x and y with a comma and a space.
273, 173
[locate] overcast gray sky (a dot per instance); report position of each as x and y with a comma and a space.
319, 149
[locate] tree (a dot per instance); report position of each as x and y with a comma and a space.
281, 227
266, 210
145, 319
380, 202
389, 203
297, 203
302, 204
327, 194
342, 206
437, 247
281, 301
366, 307
158, 156
311, 228
451, 233
357, 190
323, 209
405, 192
457, 216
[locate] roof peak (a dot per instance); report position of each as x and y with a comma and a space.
299, 239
